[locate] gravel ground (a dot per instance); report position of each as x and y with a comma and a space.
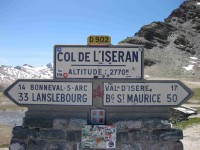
191, 139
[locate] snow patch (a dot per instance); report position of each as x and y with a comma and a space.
194, 58
189, 67
198, 3
146, 76
193, 62
9, 74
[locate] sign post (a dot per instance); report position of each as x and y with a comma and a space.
98, 89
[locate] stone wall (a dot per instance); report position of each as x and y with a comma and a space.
65, 134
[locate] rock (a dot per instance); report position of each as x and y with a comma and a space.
38, 122
76, 124
149, 62
59, 145
60, 123
17, 145
37, 144
171, 43
54, 134
159, 30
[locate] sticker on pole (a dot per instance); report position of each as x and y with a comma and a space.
98, 136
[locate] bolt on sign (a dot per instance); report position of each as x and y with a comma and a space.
81, 61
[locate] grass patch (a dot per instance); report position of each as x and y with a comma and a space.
4, 145
5, 135
187, 123
196, 94
6, 104
12, 107
196, 97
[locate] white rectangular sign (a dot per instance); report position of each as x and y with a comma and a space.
56, 93
141, 94
98, 62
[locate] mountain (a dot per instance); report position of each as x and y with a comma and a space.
172, 47
9, 74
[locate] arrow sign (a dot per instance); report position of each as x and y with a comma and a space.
146, 93
25, 92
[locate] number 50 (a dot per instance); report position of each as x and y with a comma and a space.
172, 98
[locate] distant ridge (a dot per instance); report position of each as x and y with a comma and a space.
172, 47
9, 74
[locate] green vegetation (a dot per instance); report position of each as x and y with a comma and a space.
196, 94
6, 104
196, 98
12, 107
4, 146
187, 123
5, 135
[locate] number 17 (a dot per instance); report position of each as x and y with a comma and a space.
174, 87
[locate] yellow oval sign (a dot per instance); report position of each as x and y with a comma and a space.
99, 40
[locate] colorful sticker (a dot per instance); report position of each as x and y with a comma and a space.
98, 136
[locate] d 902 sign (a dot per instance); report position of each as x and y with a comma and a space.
98, 40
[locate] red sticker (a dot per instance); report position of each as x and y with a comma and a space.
65, 75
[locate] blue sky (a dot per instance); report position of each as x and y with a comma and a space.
30, 28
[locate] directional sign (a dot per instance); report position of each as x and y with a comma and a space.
146, 93
25, 92
98, 62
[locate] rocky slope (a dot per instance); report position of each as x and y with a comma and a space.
172, 47
9, 74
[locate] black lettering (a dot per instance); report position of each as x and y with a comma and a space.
121, 56
106, 39
135, 56
91, 39
119, 98
108, 57
95, 59
58, 56
84, 98
114, 56
67, 56
87, 57
108, 98
81, 56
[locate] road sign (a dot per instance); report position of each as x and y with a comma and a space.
146, 93
99, 40
98, 62
25, 92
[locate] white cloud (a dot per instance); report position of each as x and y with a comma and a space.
198, 3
